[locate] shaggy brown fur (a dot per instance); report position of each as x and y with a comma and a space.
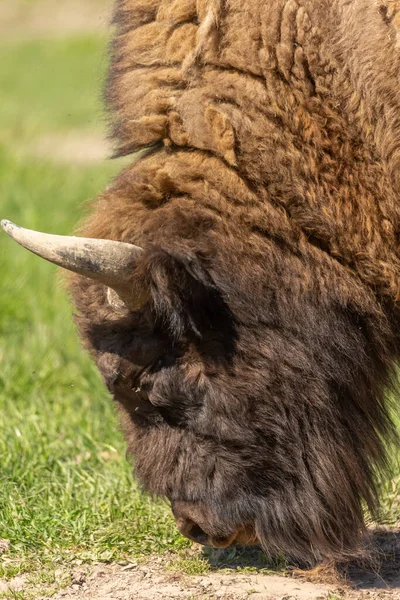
252, 377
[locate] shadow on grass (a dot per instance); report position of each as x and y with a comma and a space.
244, 558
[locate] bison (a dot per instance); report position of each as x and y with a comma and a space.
238, 285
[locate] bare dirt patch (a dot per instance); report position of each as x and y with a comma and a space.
17, 584
158, 578
47, 18
4, 546
152, 580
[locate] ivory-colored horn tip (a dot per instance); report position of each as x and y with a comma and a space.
8, 226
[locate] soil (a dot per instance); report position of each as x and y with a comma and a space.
152, 581
160, 578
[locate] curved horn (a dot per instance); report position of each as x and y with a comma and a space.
106, 261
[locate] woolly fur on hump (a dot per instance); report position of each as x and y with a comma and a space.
294, 95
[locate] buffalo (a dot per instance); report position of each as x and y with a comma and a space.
238, 285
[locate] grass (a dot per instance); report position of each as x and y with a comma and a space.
248, 560
57, 84
66, 489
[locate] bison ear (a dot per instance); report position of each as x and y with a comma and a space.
183, 293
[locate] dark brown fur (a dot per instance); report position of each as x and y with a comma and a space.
252, 379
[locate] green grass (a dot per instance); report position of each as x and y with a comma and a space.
50, 86
66, 488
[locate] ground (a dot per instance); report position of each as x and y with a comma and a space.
239, 575
72, 521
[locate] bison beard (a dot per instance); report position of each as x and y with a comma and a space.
252, 346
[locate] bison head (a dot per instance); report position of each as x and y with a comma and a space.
250, 379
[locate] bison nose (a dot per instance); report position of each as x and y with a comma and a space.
191, 530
